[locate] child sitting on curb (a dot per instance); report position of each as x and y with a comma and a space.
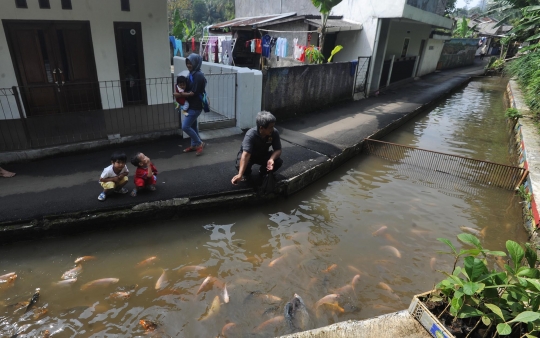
145, 175
114, 177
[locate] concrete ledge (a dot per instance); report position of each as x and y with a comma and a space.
393, 325
34, 154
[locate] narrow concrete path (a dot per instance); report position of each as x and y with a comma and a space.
66, 187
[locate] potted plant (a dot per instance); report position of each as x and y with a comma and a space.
475, 301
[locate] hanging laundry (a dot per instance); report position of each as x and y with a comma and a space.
172, 42
281, 47
179, 48
302, 53
278, 46
258, 46
297, 52
226, 52
266, 45
253, 46
193, 44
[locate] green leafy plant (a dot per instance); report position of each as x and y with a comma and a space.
462, 29
506, 301
513, 113
495, 64
314, 55
336, 50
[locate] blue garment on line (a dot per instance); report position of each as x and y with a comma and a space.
353, 67
178, 48
172, 41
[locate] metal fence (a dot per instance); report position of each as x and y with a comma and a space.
361, 75
44, 116
483, 172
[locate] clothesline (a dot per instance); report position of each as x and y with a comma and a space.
273, 31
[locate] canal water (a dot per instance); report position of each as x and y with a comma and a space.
367, 233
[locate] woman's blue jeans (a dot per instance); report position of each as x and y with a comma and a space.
189, 126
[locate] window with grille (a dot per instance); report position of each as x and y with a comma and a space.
124, 4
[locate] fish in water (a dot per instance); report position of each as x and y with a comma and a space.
228, 329
355, 280
380, 231
7, 277
354, 269
214, 308
19, 306
296, 314
207, 284
84, 259
8, 280
391, 239
330, 268
162, 281
225, 294
65, 282
344, 290
46, 334
385, 286
146, 261
267, 298
432, 263
39, 312
328, 299
333, 308
103, 282
392, 249
288, 248
33, 300
277, 260
73, 273
478, 233
270, 323
121, 295
189, 268
148, 325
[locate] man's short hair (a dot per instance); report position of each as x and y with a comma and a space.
264, 119
118, 156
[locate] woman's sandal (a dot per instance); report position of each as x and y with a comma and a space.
189, 149
134, 193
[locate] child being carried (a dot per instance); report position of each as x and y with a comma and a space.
182, 103
145, 175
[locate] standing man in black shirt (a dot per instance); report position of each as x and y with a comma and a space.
255, 148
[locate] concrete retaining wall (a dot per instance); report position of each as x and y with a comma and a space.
529, 154
292, 91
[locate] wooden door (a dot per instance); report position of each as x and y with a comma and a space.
55, 66
129, 50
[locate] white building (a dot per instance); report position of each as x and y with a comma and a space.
67, 56
396, 34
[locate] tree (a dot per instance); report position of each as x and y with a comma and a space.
324, 6
462, 30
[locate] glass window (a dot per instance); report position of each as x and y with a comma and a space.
66, 4
44, 4
124, 4
21, 4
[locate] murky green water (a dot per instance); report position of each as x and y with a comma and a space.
313, 244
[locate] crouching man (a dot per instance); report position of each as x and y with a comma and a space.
255, 148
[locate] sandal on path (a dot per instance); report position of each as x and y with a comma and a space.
134, 193
121, 191
200, 149
189, 149
102, 196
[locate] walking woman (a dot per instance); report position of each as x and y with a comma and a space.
193, 93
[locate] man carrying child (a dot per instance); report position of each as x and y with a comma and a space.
114, 177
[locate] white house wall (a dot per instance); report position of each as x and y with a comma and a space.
401, 30
245, 8
101, 14
430, 57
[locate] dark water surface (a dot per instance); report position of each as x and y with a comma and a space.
313, 244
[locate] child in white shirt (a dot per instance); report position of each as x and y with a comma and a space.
114, 177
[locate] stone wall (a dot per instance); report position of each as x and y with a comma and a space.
457, 53
292, 91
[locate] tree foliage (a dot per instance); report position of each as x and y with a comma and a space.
202, 12
462, 29
325, 7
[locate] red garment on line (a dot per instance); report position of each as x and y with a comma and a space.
193, 44
258, 46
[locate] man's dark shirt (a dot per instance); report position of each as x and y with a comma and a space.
257, 146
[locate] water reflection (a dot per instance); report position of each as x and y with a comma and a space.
366, 233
